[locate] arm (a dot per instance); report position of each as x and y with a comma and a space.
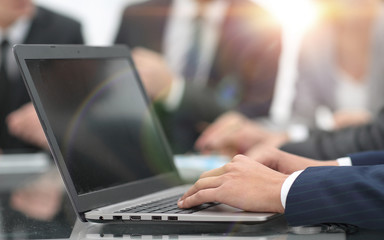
325, 194
367, 158
199, 104
250, 48
184, 124
332, 145
183, 116
352, 195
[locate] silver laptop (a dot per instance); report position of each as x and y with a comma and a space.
105, 138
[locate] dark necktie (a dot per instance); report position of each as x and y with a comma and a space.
192, 57
4, 89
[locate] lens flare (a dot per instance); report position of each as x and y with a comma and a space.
299, 14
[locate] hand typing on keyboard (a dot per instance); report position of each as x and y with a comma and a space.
243, 183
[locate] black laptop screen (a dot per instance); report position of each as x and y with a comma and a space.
100, 120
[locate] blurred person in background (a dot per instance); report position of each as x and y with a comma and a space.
339, 83
21, 21
340, 75
200, 58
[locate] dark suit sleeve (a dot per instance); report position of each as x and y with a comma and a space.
331, 145
183, 126
367, 158
350, 195
200, 103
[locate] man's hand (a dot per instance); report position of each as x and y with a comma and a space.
24, 124
284, 162
249, 183
347, 118
232, 133
154, 72
242, 183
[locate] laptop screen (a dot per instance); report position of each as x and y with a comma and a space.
101, 121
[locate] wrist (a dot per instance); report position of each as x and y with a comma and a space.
280, 204
286, 186
327, 163
345, 161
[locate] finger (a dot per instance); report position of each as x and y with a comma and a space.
203, 196
221, 133
214, 130
201, 184
214, 172
218, 126
215, 141
225, 146
206, 137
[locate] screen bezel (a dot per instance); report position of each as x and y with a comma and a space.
85, 202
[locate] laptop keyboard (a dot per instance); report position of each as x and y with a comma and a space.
166, 205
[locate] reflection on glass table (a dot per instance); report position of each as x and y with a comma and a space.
16, 169
273, 230
34, 205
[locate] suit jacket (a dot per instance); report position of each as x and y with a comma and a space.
247, 58
331, 145
47, 27
350, 195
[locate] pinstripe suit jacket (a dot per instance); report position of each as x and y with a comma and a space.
351, 195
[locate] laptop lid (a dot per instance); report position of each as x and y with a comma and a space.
99, 123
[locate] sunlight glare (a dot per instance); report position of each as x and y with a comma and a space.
299, 14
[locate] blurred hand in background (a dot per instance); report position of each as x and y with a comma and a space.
154, 72
233, 133
24, 124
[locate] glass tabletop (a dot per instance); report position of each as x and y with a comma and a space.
34, 205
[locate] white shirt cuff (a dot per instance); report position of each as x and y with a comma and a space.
297, 132
175, 95
287, 186
345, 161
324, 118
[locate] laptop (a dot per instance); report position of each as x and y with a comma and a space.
105, 138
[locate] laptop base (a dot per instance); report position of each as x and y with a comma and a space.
174, 228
